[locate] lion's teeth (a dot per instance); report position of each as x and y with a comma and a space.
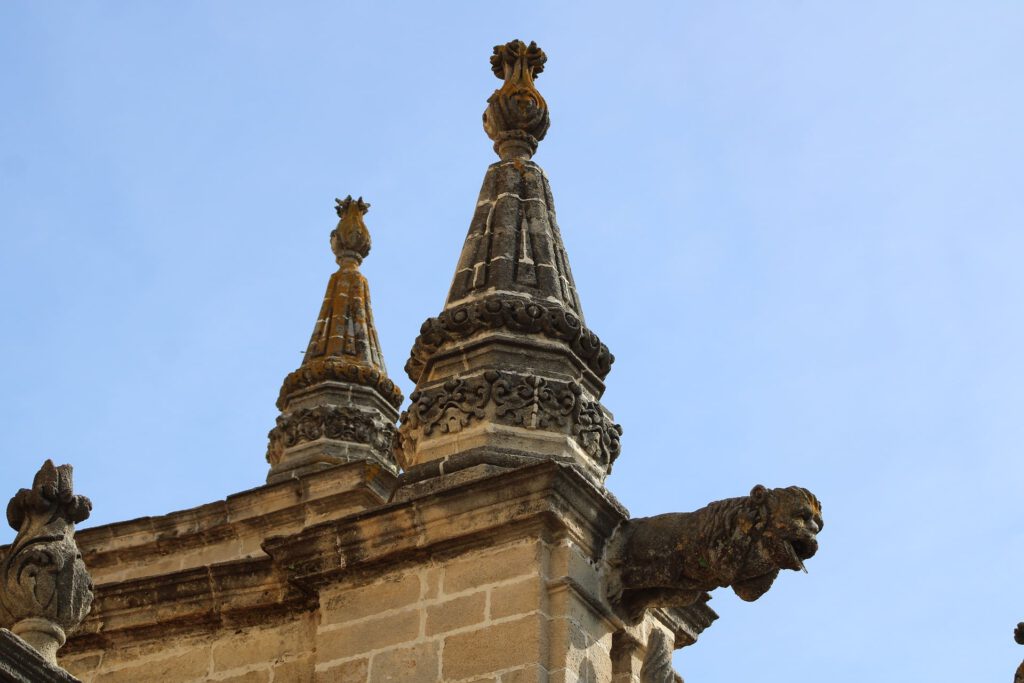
792, 552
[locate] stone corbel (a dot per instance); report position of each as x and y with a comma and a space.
45, 590
670, 560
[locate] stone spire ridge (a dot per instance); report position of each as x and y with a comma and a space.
339, 405
517, 115
508, 371
45, 589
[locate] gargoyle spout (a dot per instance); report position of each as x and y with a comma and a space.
671, 560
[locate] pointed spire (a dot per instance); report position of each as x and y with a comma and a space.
509, 365
339, 405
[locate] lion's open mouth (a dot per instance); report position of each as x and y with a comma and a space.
800, 549
794, 557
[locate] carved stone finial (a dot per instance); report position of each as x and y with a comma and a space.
517, 116
45, 589
670, 560
350, 241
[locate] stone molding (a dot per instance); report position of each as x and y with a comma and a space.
515, 314
20, 663
215, 532
338, 423
333, 369
241, 593
512, 399
547, 499
475, 515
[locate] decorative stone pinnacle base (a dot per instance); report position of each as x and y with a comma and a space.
328, 425
43, 635
510, 412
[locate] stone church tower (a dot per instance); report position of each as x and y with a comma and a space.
474, 541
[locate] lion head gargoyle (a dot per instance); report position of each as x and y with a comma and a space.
671, 560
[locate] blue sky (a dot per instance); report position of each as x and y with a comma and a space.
798, 226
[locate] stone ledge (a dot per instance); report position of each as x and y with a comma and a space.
20, 663
229, 595
159, 545
554, 499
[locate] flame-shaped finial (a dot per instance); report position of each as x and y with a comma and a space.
517, 116
45, 590
350, 240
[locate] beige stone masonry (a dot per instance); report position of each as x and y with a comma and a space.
495, 579
231, 529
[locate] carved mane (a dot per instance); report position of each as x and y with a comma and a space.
670, 560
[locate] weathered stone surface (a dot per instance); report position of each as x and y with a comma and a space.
22, 663
339, 406
497, 556
670, 560
509, 365
231, 529
473, 653
517, 116
525, 401
657, 666
515, 314
45, 589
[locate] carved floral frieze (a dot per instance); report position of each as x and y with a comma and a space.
512, 399
337, 423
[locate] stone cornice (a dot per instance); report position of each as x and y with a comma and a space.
214, 532
549, 497
232, 594
20, 663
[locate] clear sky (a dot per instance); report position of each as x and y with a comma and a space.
798, 225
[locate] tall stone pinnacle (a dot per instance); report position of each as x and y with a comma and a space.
339, 405
508, 372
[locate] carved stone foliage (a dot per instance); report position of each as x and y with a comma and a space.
512, 399
515, 314
671, 559
339, 423
45, 589
338, 370
351, 239
657, 666
517, 116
